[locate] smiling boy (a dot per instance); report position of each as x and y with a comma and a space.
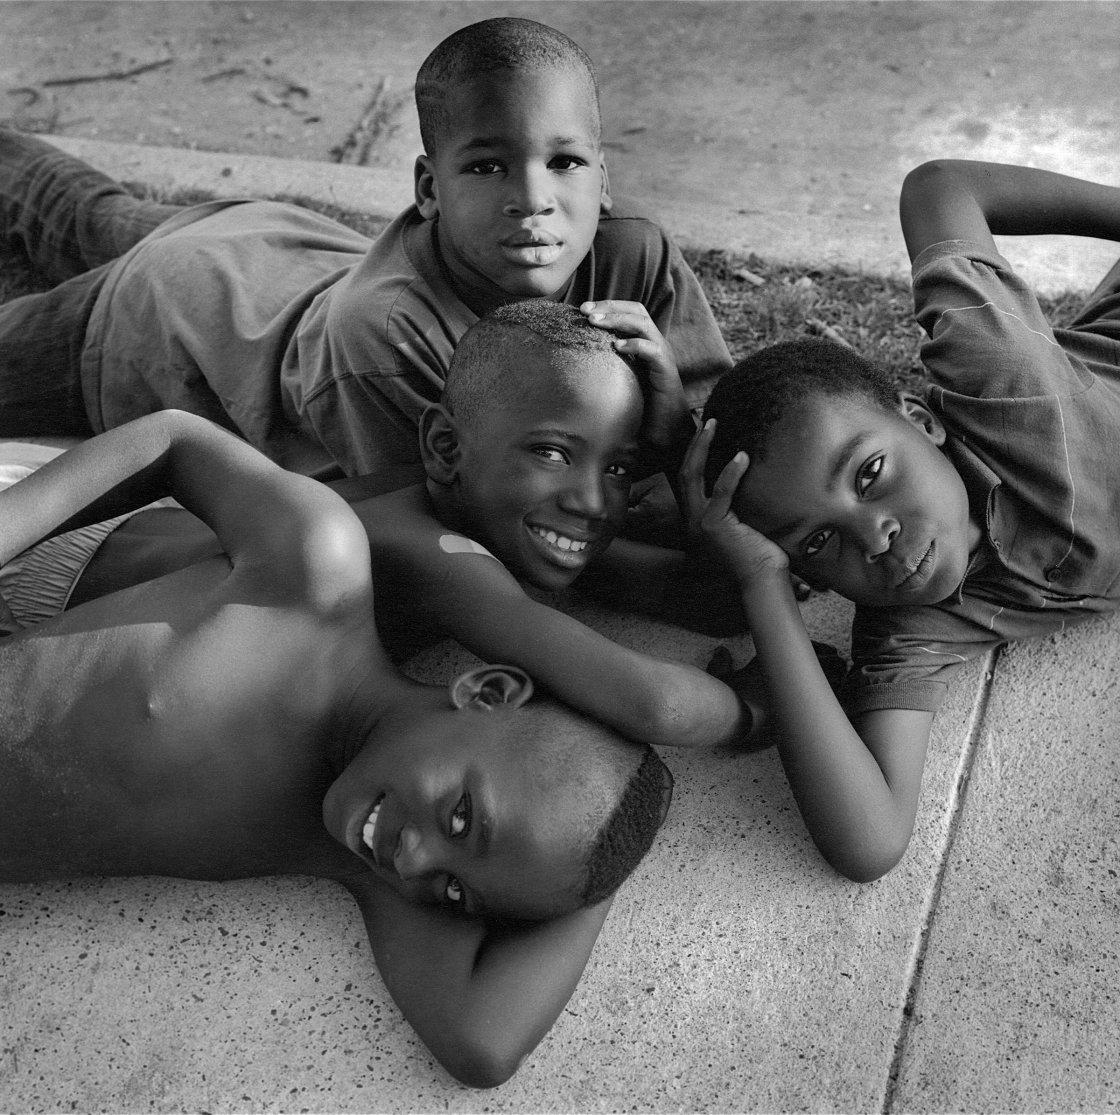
239, 717
321, 348
530, 455
986, 512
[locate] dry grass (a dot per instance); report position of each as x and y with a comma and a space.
869, 312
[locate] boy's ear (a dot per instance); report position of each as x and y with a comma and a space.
424, 188
605, 202
915, 410
488, 687
439, 444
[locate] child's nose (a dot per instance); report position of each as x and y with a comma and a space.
413, 858
529, 193
879, 536
584, 494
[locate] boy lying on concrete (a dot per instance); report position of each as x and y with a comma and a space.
529, 460
239, 717
988, 511
321, 348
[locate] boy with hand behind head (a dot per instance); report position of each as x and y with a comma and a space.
239, 717
988, 511
543, 425
318, 347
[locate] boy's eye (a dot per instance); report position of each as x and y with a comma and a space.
619, 470
453, 892
460, 817
484, 166
551, 453
816, 542
869, 474
566, 162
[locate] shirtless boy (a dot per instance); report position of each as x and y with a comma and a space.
542, 427
239, 717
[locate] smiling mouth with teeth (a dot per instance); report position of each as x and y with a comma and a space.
370, 826
560, 541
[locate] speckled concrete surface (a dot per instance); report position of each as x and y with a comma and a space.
1018, 1006
736, 972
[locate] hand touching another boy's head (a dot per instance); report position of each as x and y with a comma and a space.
495, 805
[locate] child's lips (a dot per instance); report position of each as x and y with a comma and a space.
917, 574
570, 549
532, 249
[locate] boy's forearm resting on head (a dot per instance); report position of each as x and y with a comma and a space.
480, 997
957, 199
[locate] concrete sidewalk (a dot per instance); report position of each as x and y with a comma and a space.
736, 971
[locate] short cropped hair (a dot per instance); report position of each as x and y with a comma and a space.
490, 46
628, 833
625, 789
749, 401
480, 369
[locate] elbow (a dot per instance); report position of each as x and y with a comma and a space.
667, 719
479, 1065
868, 860
927, 180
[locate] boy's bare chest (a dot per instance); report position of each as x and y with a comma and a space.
185, 745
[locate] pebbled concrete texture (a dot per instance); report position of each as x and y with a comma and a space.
736, 971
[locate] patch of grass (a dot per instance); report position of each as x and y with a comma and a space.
872, 313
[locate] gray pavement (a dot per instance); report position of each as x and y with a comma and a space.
736, 972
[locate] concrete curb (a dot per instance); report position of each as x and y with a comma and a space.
370, 190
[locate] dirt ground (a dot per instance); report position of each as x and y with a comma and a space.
770, 125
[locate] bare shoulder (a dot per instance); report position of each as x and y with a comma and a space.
317, 558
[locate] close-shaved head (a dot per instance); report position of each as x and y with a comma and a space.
485, 363
492, 47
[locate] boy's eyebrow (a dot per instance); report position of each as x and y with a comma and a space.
839, 464
478, 143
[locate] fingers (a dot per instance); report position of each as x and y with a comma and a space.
691, 474
726, 485
695, 458
631, 319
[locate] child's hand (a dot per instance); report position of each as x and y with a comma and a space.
711, 520
749, 686
667, 424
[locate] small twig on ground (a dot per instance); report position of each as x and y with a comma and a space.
823, 329
109, 75
233, 71
375, 122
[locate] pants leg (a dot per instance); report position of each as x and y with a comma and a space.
62, 214
41, 339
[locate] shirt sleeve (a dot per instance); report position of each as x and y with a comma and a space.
686, 320
634, 259
987, 335
363, 428
907, 658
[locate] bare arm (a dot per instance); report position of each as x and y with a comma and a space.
480, 998
262, 515
856, 785
479, 603
958, 199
